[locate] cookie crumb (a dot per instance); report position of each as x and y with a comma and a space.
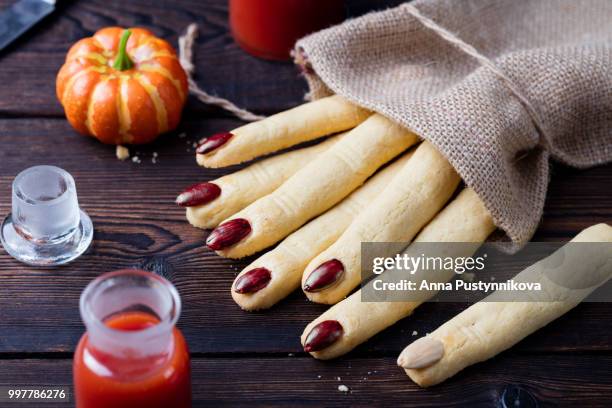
415, 333
136, 159
290, 354
122, 152
319, 377
339, 378
343, 388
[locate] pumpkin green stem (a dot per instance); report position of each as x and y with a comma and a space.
123, 61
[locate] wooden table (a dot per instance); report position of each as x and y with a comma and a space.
240, 358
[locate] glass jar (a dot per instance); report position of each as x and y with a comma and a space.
269, 28
132, 355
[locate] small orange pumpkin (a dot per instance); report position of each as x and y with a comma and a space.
122, 86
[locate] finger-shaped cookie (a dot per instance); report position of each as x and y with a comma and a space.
278, 272
497, 323
211, 202
353, 321
411, 199
300, 124
325, 181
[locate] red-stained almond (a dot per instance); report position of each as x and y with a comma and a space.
324, 276
323, 335
213, 142
198, 194
228, 233
253, 281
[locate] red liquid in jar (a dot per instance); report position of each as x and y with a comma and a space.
269, 28
105, 381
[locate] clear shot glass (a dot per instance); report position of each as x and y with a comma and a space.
46, 226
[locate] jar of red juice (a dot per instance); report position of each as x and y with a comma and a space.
132, 355
269, 28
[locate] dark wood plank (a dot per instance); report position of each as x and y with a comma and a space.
222, 67
560, 381
138, 225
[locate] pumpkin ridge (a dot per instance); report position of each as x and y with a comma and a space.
76, 76
124, 115
120, 134
108, 38
93, 56
157, 54
158, 103
102, 114
99, 44
158, 69
91, 106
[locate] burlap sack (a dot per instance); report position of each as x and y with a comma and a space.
536, 84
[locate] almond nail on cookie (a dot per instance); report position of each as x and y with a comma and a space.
324, 276
325, 181
464, 219
286, 262
252, 281
419, 190
497, 322
212, 202
322, 335
305, 122
213, 142
228, 233
198, 194
421, 353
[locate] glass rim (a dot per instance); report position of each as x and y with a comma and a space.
167, 322
24, 198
